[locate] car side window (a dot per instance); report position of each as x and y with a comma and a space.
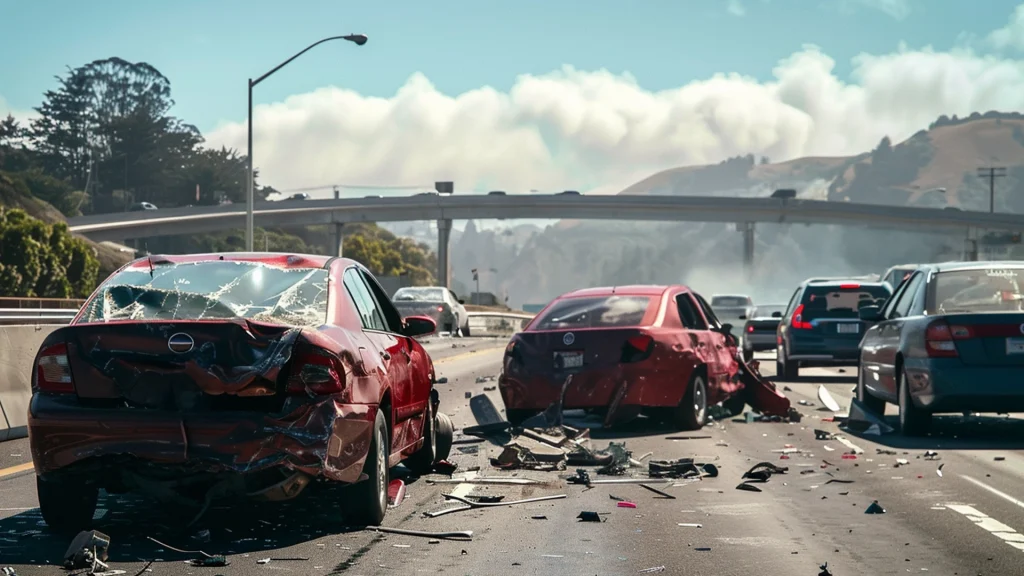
688, 314
792, 304
368, 313
708, 313
890, 304
392, 319
902, 307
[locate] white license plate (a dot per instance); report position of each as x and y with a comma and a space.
565, 360
848, 328
1015, 346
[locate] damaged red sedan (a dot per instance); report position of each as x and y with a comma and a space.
627, 350
194, 378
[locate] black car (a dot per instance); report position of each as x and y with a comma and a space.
822, 324
760, 330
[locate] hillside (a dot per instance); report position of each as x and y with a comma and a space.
946, 156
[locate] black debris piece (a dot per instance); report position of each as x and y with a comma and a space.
212, 562
616, 498
581, 477
589, 517
538, 517
838, 481
931, 455
763, 471
681, 468
748, 487
89, 549
658, 492
445, 467
875, 508
824, 570
823, 435
485, 498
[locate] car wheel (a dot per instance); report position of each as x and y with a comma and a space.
422, 462
692, 412
790, 369
67, 506
370, 498
913, 420
872, 403
465, 329
445, 435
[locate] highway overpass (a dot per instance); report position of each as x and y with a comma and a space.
445, 208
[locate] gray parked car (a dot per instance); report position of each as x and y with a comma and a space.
437, 302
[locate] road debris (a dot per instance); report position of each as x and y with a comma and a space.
748, 487
762, 471
89, 549
658, 492
590, 517
826, 398
458, 535
652, 570
626, 504
875, 508
396, 493
863, 420
470, 505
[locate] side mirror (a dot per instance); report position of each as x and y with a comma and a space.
414, 326
870, 313
776, 314
462, 301
743, 316
727, 329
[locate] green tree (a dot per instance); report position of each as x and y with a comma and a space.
43, 260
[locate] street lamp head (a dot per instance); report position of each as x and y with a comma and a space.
358, 39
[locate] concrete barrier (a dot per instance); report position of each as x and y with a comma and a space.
18, 347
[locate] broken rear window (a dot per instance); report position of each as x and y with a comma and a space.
595, 312
213, 290
419, 295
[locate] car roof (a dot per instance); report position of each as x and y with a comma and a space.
838, 281
713, 296
952, 266
271, 258
631, 290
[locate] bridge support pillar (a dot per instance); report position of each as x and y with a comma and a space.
748, 245
444, 234
338, 238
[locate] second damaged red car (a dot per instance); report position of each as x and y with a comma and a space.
193, 378
628, 350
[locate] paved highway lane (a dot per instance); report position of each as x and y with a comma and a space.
967, 521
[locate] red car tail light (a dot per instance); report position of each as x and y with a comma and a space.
317, 373
440, 308
53, 370
637, 348
938, 340
798, 319
750, 328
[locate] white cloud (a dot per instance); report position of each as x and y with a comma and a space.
736, 8
20, 115
573, 129
898, 9
1011, 35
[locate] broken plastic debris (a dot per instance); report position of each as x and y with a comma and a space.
939, 469
748, 487
589, 517
459, 535
826, 398
865, 420
658, 492
875, 508
690, 525
89, 549
652, 570
396, 493
625, 504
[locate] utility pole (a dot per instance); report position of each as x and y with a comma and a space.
991, 174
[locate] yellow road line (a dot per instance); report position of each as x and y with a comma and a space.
464, 355
15, 469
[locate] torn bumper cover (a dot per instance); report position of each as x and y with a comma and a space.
144, 417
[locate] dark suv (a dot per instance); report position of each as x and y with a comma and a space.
822, 325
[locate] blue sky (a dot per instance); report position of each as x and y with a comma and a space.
208, 49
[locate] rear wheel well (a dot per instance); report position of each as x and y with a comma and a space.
898, 370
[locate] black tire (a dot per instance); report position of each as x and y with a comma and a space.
422, 462
872, 403
465, 329
369, 500
445, 435
692, 412
516, 417
67, 506
790, 370
913, 420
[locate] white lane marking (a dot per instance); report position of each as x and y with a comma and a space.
999, 493
856, 449
991, 525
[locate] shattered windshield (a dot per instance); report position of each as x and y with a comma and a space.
990, 290
419, 295
602, 311
214, 290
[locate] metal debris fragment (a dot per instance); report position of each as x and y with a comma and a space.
458, 535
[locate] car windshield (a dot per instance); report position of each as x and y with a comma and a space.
729, 301
213, 290
842, 301
987, 290
419, 295
767, 310
594, 312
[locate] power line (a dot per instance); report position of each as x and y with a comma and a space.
991, 174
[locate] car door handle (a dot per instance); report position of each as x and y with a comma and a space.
678, 347
385, 355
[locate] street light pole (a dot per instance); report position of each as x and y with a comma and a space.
358, 40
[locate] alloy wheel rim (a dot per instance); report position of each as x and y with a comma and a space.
699, 402
382, 487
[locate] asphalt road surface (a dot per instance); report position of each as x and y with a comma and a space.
969, 520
